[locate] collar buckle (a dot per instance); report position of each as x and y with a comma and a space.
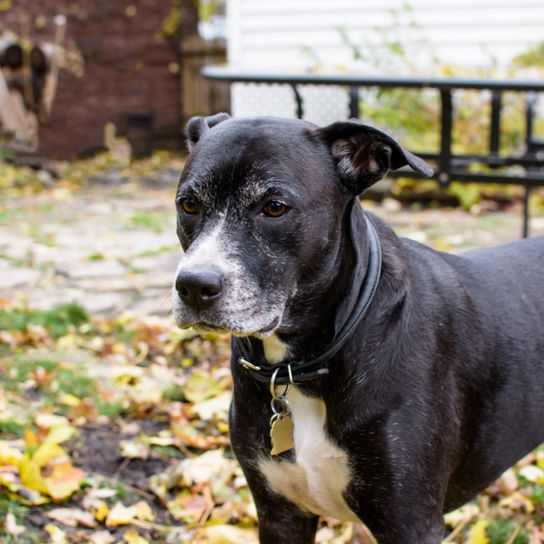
248, 365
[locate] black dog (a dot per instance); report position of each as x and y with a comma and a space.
403, 380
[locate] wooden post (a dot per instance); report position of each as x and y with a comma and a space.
199, 95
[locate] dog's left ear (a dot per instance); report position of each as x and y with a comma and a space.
198, 126
364, 154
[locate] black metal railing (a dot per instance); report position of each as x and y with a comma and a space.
450, 166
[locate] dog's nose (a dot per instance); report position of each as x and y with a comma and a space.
199, 286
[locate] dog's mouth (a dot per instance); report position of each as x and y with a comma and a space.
203, 326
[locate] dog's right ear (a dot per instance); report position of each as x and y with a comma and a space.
363, 154
198, 126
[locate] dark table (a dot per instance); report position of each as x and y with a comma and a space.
449, 166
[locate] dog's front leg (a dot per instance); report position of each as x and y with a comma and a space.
288, 527
395, 517
279, 519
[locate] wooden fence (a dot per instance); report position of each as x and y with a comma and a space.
201, 96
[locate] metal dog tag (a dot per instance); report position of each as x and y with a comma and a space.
281, 433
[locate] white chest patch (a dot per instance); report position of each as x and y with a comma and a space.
315, 482
275, 350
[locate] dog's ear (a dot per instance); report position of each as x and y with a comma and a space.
198, 126
364, 154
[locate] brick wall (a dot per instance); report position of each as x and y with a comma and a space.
127, 71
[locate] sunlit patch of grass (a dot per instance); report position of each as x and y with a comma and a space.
20, 512
159, 251
168, 452
110, 409
49, 379
13, 428
501, 530
5, 215
148, 220
56, 321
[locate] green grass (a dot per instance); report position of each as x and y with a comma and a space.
96, 256
60, 379
20, 512
168, 452
11, 428
159, 251
22, 369
499, 531
148, 220
56, 321
5, 215
110, 409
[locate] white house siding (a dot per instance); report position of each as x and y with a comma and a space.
294, 35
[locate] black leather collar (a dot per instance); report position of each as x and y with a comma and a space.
304, 370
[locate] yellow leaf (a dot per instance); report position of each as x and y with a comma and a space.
226, 534
8, 454
200, 387
477, 533
132, 537
30, 438
144, 512
517, 501
102, 511
59, 434
64, 480
120, 515
56, 535
69, 400
31, 474
48, 421
47, 452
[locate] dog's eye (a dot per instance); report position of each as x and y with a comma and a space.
189, 205
275, 208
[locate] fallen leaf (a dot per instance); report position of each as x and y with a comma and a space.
200, 387
189, 507
64, 480
478, 533
56, 535
120, 515
9, 453
532, 473
73, 517
227, 534
132, 537
133, 449
101, 537
11, 527
463, 514
102, 511
508, 482
517, 501
218, 407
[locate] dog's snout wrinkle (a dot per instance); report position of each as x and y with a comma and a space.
200, 286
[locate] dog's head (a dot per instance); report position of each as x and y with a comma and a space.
260, 208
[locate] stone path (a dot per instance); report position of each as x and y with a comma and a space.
113, 248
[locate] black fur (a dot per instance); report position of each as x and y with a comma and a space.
442, 386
